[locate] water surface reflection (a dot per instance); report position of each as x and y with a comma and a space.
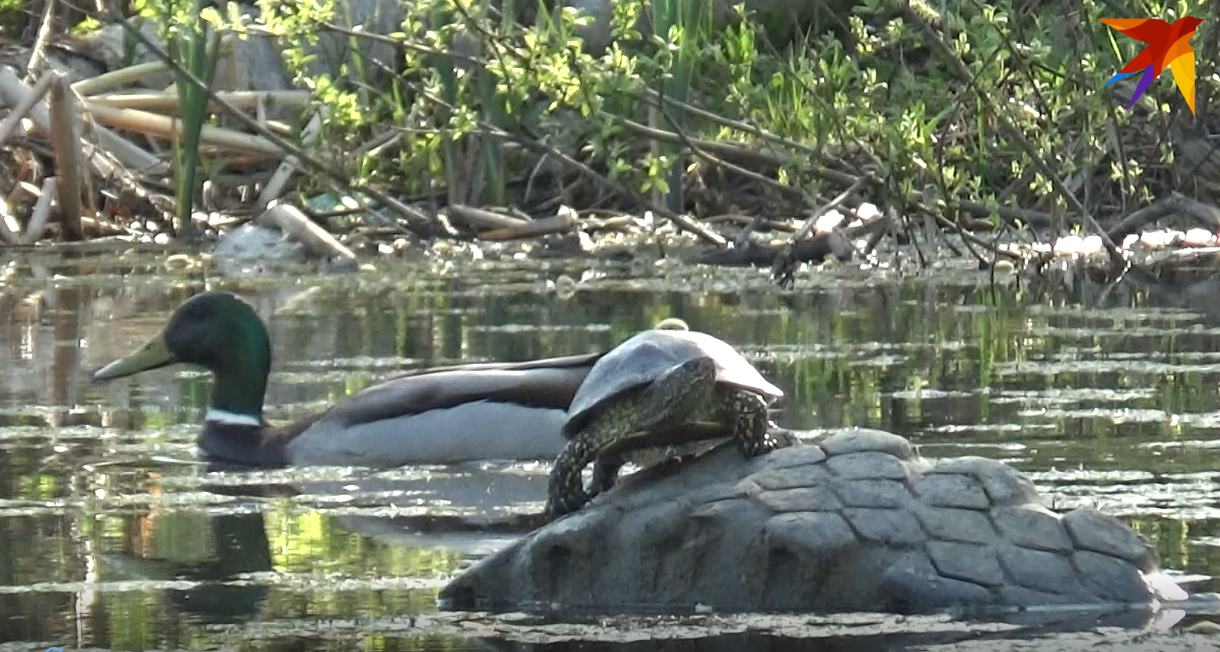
112, 536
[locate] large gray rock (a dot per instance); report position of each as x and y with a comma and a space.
858, 522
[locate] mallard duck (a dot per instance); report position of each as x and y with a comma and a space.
443, 415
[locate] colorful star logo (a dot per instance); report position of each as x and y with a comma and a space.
1166, 44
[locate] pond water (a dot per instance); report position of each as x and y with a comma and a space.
112, 537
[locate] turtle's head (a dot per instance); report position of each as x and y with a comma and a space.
217, 331
671, 324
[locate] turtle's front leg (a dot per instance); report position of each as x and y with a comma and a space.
565, 491
750, 424
605, 474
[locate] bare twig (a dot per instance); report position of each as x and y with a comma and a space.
168, 103
283, 173
118, 78
785, 264
23, 108
10, 230
704, 148
972, 239
754, 130
681, 221
40, 216
1015, 134
744, 237
564, 220
39, 51
477, 217
1176, 204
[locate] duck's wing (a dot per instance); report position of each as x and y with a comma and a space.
548, 383
511, 411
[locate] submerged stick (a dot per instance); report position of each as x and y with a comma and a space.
563, 221
296, 224
477, 217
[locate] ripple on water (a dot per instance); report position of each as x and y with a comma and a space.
113, 536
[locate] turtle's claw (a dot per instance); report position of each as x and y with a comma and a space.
565, 497
557, 507
751, 448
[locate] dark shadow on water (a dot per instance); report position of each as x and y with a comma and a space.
843, 640
1194, 288
726, 643
1031, 626
241, 547
731, 643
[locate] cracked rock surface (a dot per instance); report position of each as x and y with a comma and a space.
857, 522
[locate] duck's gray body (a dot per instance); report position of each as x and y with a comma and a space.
858, 522
476, 426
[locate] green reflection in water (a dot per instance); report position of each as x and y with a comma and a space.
109, 538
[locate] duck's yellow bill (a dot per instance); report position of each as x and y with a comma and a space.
151, 356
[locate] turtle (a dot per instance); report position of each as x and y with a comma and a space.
660, 393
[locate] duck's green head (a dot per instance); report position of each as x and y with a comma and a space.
217, 331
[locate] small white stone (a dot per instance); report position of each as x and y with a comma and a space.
1070, 244
867, 211
1199, 237
828, 221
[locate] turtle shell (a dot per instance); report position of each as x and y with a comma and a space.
643, 357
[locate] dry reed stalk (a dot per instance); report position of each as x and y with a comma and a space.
66, 146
